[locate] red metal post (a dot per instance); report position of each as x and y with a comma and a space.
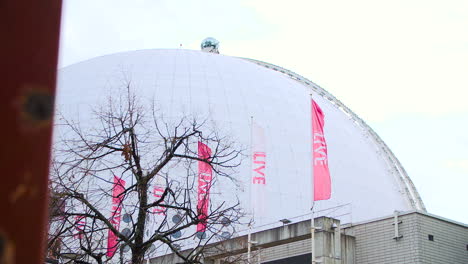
28, 61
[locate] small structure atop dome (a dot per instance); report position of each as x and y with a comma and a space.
210, 45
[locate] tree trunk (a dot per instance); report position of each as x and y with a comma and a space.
138, 256
138, 252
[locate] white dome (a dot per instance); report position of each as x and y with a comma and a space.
367, 180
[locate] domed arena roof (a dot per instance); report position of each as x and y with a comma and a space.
367, 179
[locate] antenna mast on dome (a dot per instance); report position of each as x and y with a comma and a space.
210, 45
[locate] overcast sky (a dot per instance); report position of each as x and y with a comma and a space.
401, 65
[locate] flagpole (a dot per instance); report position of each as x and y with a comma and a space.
321, 180
251, 165
249, 242
312, 234
312, 219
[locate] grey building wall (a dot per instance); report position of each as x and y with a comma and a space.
281, 243
331, 247
304, 247
450, 241
371, 242
287, 250
376, 242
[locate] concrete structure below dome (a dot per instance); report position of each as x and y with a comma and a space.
418, 238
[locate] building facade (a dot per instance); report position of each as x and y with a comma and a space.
409, 237
234, 93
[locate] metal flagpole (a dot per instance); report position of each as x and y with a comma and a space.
312, 234
249, 242
249, 245
312, 219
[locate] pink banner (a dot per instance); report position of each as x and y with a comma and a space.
80, 223
258, 174
117, 198
158, 191
321, 173
204, 184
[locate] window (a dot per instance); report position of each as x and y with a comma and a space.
430, 237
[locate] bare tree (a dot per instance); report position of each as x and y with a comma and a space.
127, 163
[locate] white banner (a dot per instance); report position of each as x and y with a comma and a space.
258, 171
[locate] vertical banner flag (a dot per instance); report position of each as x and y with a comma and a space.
158, 191
80, 223
258, 159
117, 198
321, 173
204, 184
158, 213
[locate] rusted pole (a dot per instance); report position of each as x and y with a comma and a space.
28, 63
